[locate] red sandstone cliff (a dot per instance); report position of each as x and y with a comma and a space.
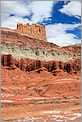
28, 65
34, 30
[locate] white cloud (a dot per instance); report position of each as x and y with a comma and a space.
11, 22
64, 39
41, 10
73, 8
19, 9
57, 34
15, 7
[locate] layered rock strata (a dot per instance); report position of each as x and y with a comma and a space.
52, 66
22, 46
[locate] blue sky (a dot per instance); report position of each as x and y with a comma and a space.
62, 19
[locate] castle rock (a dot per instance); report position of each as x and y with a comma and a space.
36, 31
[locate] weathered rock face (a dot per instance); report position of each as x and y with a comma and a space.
14, 37
76, 49
23, 51
34, 30
21, 46
73, 67
55, 67
30, 54
6, 60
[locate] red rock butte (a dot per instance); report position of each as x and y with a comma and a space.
36, 31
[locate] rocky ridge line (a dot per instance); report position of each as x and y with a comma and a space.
28, 65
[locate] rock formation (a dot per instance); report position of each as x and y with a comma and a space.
28, 65
34, 30
28, 54
6, 60
38, 77
22, 46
